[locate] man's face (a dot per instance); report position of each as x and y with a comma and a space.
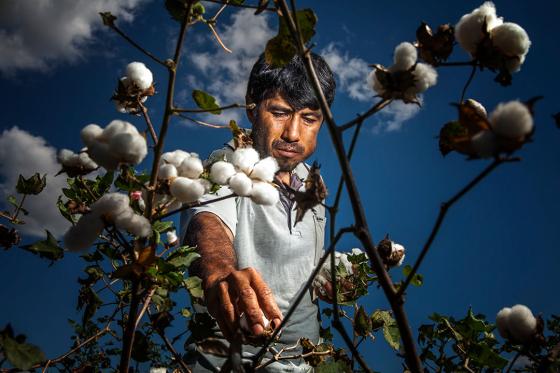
280, 131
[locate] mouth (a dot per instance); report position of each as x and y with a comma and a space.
285, 153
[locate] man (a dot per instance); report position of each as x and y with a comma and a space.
254, 258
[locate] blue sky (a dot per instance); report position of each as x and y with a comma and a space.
498, 246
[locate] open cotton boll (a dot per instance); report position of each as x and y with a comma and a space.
116, 127
120, 107
502, 319
265, 169
469, 31
68, 158
244, 323
405, 56
171, 238
186, 190
484, 144
264, 194
84, 233
245, 158
100, 153
425, 76
512, 120
398, 249
111, 205
129, 148
376, 84
191, 167
241, 184
221, 171
175, 157
90, 133
512, 40
522, 325
138, 73
356, 251
133, 223
167, 171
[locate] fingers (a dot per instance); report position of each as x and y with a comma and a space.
247, 300
266, 299
222, 309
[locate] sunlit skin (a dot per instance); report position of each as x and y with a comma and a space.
289, 135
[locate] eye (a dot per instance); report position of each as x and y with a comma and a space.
279, 114
309, 119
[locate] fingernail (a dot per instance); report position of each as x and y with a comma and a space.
257, 329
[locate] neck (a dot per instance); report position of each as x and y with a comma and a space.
284, 177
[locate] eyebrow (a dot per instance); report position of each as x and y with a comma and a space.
277, 107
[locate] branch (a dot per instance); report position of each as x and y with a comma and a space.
377, 107
203, 123
191, 205
218, 39
147, 302
232, 106
278, 356
169, 345
148, 122
128, 337
135, 44
473, 71
362, 232
443, 211
240, 5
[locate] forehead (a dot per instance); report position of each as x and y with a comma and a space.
277, 100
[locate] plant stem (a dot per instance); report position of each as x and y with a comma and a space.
136, 45
128, 337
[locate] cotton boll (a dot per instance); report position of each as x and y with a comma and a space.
101, 154
186, 190
138, 73
522, 324
502, 322
221, 171
356, 251
477, 107
245, 158
175, 157
469, 31
167, 171
264, 194
129, 148
265, 169
207, 185
484, 144
425, 76
241, 184
86, 161
512, 120
191, 167
82, 235
398, 250
64, 156
511, 39
140, 226
405, 56
171, 237
111, 205
376, 84
116, 127
90, 133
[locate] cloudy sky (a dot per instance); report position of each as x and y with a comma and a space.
499, 246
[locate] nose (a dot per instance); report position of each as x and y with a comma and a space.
291, 130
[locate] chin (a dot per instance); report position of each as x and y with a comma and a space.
286, 165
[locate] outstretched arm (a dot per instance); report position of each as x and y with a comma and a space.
228, 291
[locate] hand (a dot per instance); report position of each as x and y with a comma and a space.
242, 291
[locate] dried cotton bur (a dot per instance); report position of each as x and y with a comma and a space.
134, 88
478, 135
434, 48
498, 45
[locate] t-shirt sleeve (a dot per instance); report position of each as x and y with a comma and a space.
226, 210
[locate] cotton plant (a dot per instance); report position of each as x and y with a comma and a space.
518, 324
117, 144
134, 88
406, 78
496, 44
76, 164
182, 171
111, 208
247, 175
480, 135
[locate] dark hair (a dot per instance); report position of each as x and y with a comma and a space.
291, 82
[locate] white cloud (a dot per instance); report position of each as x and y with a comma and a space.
35, 34
351, 73
226, 74
23, 153
393, 116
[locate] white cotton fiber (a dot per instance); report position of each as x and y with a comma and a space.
241, 184
221, 171
484, 144
111, 205
245, 158
521, 323
138, 73
405, 56
511, 120
264, 194
265, 169
175, 157
167, 171
502, 319
398, 249
469, 29
90, 133
68, 158
82, 235
191, 167
186, 190
425, 76
102, 156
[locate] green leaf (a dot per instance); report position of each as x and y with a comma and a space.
162, 226
206, 101
482, 354
194, 285
21, 355
332, 367
362, 323
417, 279
392, 335
177, 9
380, 318
47, 249
281, 49
13, 201
33, 185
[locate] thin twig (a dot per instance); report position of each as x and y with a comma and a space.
147, 302
146, 116
206, 124
238, 5
471, 76
18, 208
443, 211
215, 17
169, 345
191, 205
218, 39
362, 231
128, 337
232, 106
377, 107
136, 45
278, 357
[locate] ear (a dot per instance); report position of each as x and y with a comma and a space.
252, 113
